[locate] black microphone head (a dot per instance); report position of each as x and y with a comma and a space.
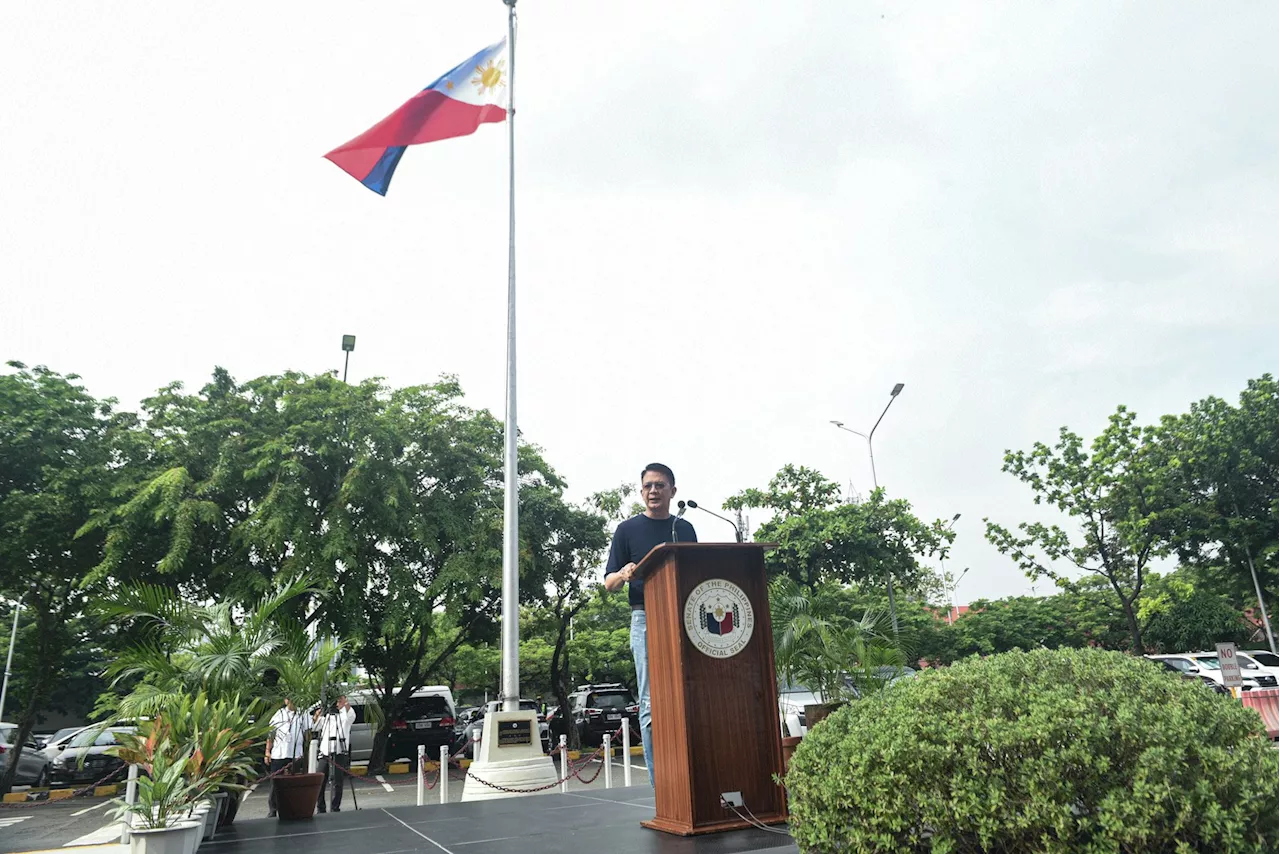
692, 504
680, 504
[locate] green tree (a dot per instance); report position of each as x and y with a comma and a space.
393, 496
821, 540
1178, 617
1222, 460
1113, 493
61, 452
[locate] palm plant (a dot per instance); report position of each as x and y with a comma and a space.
186, 648
818, 645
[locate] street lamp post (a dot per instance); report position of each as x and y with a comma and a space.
942, 561
951, 615
888, 576
348, 344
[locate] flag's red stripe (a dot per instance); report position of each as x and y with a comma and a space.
426, 117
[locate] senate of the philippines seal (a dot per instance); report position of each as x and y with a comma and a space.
718, 618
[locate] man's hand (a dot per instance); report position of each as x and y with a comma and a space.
627, 572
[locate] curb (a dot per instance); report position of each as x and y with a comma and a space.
398, 768
61, 794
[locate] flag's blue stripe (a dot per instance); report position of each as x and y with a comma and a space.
379, 177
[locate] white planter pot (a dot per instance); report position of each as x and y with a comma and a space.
175, 839
210, 821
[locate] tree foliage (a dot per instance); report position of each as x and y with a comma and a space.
1114, 497
821, 539
61, 455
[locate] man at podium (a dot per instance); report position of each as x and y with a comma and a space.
633, 539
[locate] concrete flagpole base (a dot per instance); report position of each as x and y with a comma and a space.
509, 755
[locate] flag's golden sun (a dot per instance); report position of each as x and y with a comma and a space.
490, 78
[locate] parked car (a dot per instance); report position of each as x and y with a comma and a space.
791, 702
1249, 671
427, 718
597, 709
1265, 657
1195, 664
85, 759
1251, 663
33, 768
54, 745
1190, 676
475, 730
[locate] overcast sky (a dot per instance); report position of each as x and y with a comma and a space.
737, 221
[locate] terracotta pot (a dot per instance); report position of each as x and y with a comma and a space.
789, 745
296, 795
818, 712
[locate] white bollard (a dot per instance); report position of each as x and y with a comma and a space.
626, 754
608, 762
422, 772
444, 774
564, 763
130, 797
313, 758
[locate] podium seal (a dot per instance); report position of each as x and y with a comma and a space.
718, 618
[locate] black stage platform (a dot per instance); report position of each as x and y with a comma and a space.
605, 821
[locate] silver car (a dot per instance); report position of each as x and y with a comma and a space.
33, 768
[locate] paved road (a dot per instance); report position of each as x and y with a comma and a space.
83, 821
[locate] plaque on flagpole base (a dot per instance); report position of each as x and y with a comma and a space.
510, 759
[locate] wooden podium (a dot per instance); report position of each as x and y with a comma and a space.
712, 686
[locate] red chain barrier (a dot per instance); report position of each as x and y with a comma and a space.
574, 771
76, 794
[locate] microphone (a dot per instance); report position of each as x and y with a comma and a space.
677, 517
737, 533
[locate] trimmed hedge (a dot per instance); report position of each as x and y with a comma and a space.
1044, 751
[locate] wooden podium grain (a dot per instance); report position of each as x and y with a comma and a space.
715, 720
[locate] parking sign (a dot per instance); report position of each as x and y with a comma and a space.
1230, 665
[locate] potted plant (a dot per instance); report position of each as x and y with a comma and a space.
819, 646
159, 817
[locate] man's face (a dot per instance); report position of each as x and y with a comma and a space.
342, 701
288, 704
656, 492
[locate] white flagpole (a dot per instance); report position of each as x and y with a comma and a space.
511, 513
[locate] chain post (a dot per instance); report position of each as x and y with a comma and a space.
422, 772
444, 774
608, 761
130, 797
564, 763
626, 754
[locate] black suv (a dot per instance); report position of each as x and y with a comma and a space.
423, 720
597, 709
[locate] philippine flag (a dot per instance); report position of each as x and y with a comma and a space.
470, 95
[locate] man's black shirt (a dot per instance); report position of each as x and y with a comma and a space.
635, 538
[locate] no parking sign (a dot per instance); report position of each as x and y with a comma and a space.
1230, 665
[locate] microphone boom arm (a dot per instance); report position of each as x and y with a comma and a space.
737, 533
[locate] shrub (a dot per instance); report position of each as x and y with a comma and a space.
1044, 751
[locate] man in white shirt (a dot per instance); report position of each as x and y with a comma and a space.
284, 745
335, 749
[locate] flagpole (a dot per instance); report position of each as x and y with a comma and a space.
511, 512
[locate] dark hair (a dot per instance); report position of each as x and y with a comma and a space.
660, 469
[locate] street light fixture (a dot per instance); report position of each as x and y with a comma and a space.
348, 344
893, 395
952, 614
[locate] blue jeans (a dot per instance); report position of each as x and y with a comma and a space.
640, 652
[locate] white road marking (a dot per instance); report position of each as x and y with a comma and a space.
384, 783
101, 836
423, 835
91, 809
10, 821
